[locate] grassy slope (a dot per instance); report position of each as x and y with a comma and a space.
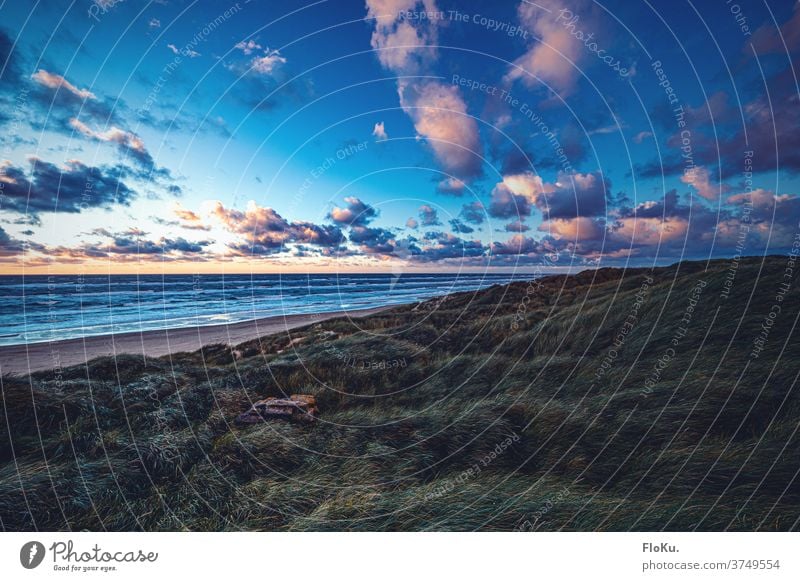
132, 444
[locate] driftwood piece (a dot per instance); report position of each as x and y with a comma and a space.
297, 408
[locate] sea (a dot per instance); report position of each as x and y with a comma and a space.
45, 308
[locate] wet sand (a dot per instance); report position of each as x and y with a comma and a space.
25, 359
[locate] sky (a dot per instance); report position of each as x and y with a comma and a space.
395, 135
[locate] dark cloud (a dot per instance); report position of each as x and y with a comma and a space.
718, 139
49, 188
460, 228
132, 243
428, 216
442, 246
10, 68
519, 244
266, 232
576, 195
10, 246
68, 109
517, 226
355, 213
373, 240
474, 213
507, 204
57, 102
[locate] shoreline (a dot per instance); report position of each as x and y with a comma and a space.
29, 358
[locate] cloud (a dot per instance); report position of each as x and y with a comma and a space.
641, 136
356, 213
700, 179
574, 195
268, 62
578, 229
122, 247
519, 244
248, 47
443, 246
517, 226
59, 103
428, 216
515, 195
460, 228
760, 199
71, 189
400, 46
373, 240
265, 232
379, 132
10, 76
186, 51
125, 139
506, 204
770, 119
438, 111
12, 247
554, 56
133, 242
154, 23
767, 40
474, 213
53, 102
129, 144
188, 219
440, 116
57, 82
412, 223
452, 186
264, 61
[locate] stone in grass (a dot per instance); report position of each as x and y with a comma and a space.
297, 408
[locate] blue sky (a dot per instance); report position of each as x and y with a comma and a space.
188, 136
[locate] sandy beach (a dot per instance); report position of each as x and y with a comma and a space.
25, 359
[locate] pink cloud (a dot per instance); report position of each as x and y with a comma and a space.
112, 135
700, 179
55, 82
440, 116
554, 56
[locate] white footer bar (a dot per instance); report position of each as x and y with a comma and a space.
401, 556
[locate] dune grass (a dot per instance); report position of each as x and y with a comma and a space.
415, 403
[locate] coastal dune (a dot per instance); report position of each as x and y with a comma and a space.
33, 357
